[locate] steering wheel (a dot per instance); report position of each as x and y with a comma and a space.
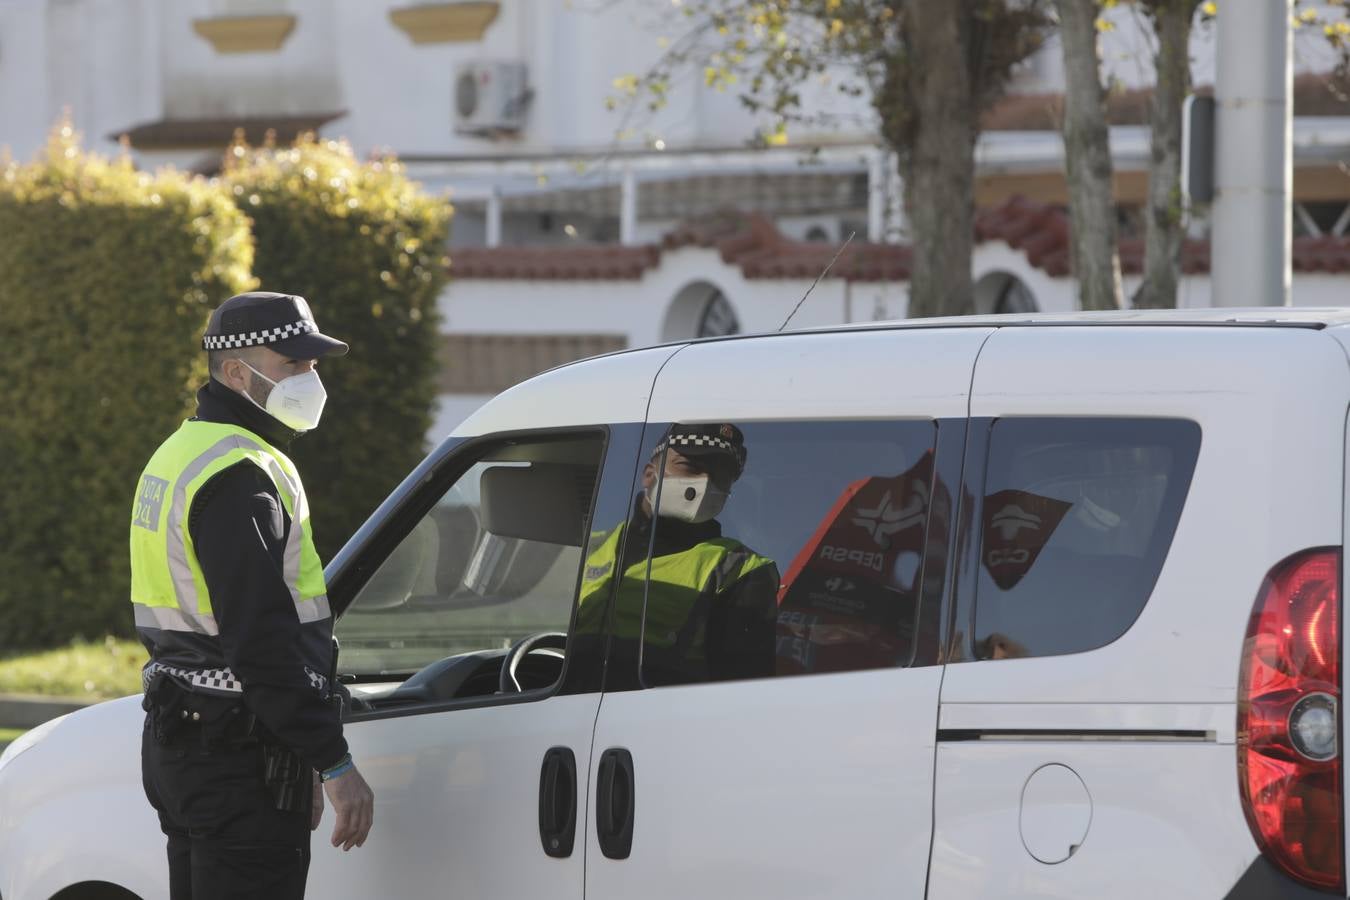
508, 683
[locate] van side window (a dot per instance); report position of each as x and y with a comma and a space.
1077, 518
774, 549
495, 560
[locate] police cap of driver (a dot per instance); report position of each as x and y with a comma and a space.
718, 445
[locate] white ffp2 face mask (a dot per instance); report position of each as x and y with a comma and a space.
296, 402
688, 498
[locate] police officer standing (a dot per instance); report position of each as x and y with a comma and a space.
243, 730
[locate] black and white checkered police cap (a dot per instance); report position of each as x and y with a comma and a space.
718, 440
280, 322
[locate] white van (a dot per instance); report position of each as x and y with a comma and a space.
1056, 613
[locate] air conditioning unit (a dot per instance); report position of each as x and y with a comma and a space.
490, 97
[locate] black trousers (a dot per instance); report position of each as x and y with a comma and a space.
227, 839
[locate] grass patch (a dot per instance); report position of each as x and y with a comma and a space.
85, 670
7, 735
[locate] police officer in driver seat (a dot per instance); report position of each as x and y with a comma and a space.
711, 601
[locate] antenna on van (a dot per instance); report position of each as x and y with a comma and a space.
823, 272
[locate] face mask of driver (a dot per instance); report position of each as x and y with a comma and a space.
688, 498
296, 402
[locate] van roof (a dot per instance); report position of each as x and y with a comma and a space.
1314, 318
1259, 316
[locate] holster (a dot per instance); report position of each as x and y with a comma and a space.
175, 713
163, 703
287, 778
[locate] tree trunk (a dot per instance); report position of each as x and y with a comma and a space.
938, 159
1163, 232
1092, 209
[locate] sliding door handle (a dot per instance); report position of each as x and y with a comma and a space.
558, 802
615, 803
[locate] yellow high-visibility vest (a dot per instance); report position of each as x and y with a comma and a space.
676, 583
168, 591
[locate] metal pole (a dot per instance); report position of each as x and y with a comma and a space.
876, 196
1252, 221
897, 227
628, 208
494, 218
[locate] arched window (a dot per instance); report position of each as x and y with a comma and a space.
1004, 292
699, 309
718, 317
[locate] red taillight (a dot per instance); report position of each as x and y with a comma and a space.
1289, 761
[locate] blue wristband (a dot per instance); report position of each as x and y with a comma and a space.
344, 765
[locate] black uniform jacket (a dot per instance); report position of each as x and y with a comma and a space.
239, 527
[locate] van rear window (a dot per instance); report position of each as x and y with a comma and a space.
1077, 518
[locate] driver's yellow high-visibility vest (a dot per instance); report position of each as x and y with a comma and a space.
677, 584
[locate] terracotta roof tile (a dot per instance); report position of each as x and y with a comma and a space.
760, 249
594, 263
752, 243
1042, 232
1321, 254
175, 134
1315, 94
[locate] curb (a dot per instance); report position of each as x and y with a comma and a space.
29, 711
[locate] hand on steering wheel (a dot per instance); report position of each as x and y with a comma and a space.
508, 683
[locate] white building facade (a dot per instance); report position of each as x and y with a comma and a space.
500, 105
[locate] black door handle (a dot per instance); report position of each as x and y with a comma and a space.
558, 802
615, 803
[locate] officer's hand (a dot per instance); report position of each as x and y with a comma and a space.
316, 814
353, 805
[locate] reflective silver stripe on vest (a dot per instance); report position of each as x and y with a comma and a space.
184, 586
169, 618
290, 561
315, 609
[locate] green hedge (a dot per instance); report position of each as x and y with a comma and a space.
366, 247
106, 278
